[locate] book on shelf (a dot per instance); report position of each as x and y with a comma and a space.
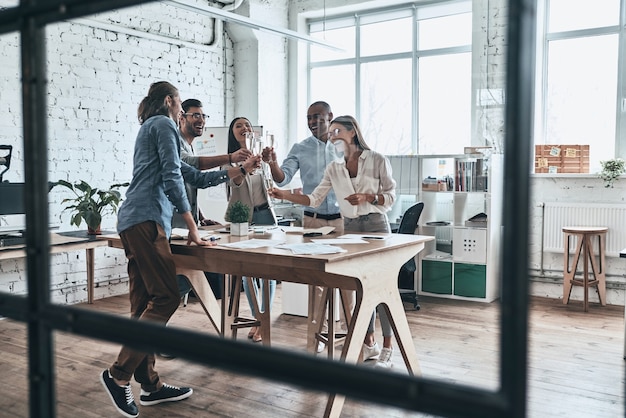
470, 176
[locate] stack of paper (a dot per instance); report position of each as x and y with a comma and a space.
182, 233
324, 230
311, 248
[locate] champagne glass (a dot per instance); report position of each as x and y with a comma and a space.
250, 137
258, 146
269, 182
269, 139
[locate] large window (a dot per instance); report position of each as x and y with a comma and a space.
579, 81
404, 73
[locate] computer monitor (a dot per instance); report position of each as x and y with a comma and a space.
11, 198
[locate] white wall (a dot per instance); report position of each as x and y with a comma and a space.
99, 69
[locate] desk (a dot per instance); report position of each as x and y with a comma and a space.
369, 269
62, 243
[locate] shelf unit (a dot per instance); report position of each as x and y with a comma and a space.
463, 261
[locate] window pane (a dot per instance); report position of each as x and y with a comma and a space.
334, 85
581, 95
387, 37
566, 15
444, 32
445, 103
342, 38
386, 106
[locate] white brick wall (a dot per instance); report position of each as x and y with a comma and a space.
97, 77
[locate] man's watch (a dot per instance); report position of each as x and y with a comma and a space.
375, 201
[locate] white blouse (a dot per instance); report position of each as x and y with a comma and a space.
373, 177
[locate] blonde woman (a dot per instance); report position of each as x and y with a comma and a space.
365, 191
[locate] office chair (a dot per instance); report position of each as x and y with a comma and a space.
406, 277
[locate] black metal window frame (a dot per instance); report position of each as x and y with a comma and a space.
413, 393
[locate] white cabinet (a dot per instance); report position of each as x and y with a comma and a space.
462, 209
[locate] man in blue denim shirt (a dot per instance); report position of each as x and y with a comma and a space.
191, 126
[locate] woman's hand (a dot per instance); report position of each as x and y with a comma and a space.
300, 199
252, 162
268, 154
278, 193
240, 155
194, 237
357, 199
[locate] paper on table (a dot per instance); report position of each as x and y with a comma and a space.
262, 229
182, 233
340, 241
324, 230
364, 236
253, 243
311, 248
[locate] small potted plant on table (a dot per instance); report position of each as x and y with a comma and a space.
90, 203
238, 214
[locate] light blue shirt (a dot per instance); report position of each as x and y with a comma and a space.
159, 176
311, 156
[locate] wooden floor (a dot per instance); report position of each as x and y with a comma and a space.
576, 364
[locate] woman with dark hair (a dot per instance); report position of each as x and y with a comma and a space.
144, 226
250, 190
365, 191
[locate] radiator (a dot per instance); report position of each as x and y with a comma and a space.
558, 214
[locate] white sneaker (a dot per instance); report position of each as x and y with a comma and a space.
320, 347
370, 352
384, 360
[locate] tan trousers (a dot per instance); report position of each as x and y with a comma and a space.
346, 295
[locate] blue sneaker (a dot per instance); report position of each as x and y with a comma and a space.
167, 393
122, 396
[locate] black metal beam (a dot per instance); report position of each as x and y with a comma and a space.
517, 165
43, 12
302, 369
34, 109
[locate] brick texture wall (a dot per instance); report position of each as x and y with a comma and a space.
99, 69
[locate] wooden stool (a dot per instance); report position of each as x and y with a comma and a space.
330, 338
584, 247
232, 319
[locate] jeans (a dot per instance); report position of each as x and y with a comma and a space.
259, 294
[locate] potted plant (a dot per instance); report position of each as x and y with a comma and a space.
238, 214
90, 203
611, 170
